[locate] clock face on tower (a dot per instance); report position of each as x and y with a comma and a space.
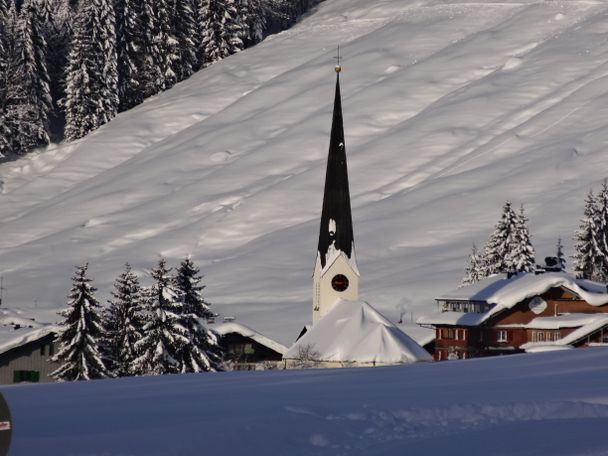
339, 282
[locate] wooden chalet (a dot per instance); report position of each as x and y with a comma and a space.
523, 312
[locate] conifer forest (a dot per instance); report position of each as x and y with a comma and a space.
68, 66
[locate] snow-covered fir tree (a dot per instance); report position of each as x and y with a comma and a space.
57, 32
602, 233
202, 352
129, 49
5, 41
186, 31
588, 254
252, 18
497, 250
80, 333
123, 325
21, 126
4, 9
521, 252
221, 30
32, 62
92, 76
474, 270
164, 336
158, 46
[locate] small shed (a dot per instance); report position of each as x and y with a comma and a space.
26, 356
247, 349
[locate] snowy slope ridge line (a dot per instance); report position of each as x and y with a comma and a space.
449, 109
544, 399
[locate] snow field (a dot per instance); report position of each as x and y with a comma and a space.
554, 403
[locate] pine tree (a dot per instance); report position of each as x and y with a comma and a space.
221, 30
21, 126
123, 325
588, 253
4, 8
602, 234
32, 55
201, 353
164, 335
474, 271
129, 44
81, 330
497, 250
521, 254
252, 17
92, 79
6, 57
186, 33
57, 32
159, 47
561, 258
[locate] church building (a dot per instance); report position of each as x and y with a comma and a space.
345, 331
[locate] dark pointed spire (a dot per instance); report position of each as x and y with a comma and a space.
336, 220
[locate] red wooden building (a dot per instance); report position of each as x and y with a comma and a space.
523, 312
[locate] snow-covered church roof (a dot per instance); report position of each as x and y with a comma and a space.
355, 331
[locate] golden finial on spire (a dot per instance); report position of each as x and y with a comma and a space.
338, 67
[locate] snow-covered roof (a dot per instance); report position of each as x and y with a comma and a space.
453, 319
564, 321
245, 331
507, 292
25, 337
420, 334
595, 322
355, 331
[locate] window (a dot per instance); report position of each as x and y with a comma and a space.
556, 335
50, 351
540, 336
450, 333
249, 349
501, 336
26, 376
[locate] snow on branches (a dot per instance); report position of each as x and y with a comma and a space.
80, 335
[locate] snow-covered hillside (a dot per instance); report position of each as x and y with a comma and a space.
450, 108
541, 404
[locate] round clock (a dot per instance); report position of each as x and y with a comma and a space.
339, 282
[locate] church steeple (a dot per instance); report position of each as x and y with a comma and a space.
336, 221
336, 276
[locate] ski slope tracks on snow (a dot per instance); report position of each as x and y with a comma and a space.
449, 107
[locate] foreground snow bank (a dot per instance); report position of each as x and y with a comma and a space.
556, 403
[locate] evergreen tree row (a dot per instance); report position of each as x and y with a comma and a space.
68, 67
591, 239
509, 249
144, 331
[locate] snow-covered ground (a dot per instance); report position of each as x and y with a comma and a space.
536, 404
450, 108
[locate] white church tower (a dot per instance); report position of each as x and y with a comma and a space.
336, 276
